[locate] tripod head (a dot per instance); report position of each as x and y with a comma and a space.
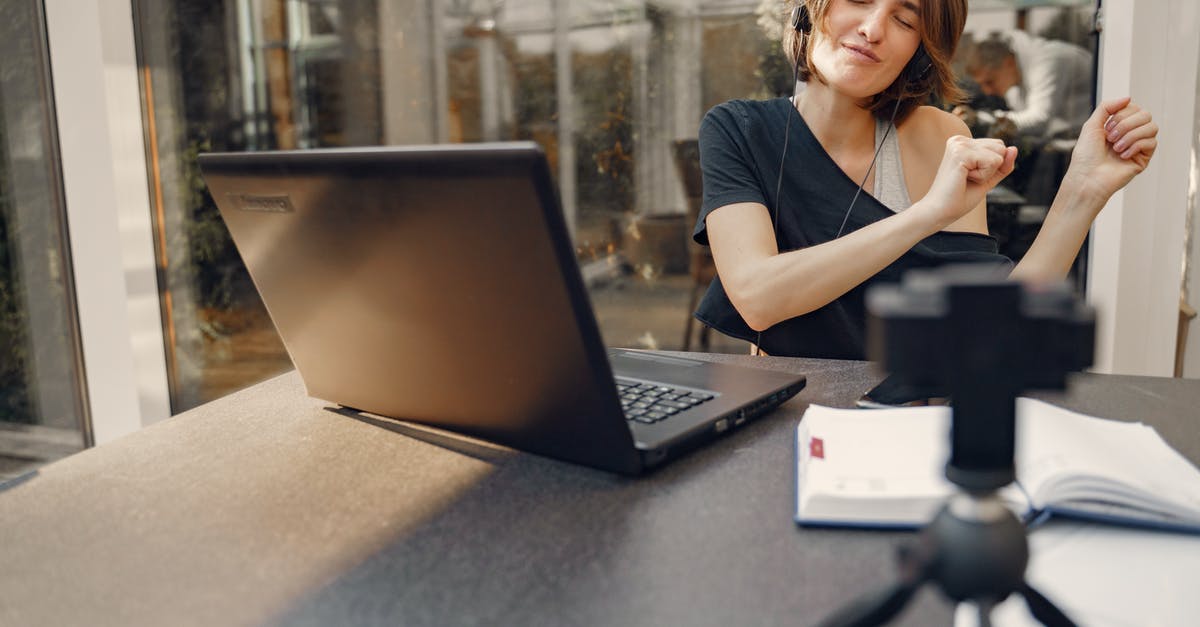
985, 339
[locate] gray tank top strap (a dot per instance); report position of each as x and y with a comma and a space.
890, 188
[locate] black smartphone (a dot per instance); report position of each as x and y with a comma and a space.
895, 392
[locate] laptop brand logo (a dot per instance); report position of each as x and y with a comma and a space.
270, 203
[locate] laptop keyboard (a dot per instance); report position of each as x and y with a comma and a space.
650, 402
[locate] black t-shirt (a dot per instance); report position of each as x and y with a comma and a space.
741, 143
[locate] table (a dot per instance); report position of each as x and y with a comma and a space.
269, 507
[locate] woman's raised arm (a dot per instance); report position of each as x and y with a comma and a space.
767, 286
1115, 144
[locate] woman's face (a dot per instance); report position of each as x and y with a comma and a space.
866, 44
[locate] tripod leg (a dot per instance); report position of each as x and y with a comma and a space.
876, 608
1042, 609
984, 610
883, 605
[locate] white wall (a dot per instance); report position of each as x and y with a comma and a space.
1137, 242
99, 115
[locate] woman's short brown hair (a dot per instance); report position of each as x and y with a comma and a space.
942, 23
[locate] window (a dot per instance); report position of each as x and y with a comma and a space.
42, 416
611, 90
1054, 38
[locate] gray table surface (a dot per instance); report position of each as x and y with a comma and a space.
269, 507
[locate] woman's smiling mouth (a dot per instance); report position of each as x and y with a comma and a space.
860, 53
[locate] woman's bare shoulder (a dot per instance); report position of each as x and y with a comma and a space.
930, 127
932, 121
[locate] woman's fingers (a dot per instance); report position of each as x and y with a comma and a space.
996, 167
1130, 139
1125, 120
980, 158
969, 168
1132, 133
1112, 105
1141, 151
983, 143
1108, 109
1010, 162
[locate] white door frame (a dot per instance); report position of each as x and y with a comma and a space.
99, 114
1136, 251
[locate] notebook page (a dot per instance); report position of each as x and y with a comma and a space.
877, 466
1061, 453
875, 455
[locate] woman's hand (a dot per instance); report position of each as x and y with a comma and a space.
969, 168
1115, 145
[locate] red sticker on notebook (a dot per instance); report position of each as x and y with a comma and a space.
816, 448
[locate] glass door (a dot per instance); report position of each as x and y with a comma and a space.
612, 91
42, 409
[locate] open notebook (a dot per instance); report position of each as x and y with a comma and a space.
885, 468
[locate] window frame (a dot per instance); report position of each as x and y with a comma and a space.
101, 128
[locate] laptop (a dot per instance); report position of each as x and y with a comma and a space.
439, 285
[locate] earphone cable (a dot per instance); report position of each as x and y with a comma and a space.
891, 125
787, 127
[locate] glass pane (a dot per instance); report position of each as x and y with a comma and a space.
1004, 44
207, 83
613, 90
41, 400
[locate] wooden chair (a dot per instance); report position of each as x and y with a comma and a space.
700, 261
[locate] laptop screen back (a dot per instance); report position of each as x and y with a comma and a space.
433, 284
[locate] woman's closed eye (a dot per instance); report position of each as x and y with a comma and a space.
903, 18
907, 16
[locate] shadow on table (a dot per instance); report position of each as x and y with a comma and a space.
708, 539
537, 541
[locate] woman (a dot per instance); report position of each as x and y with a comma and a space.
793, 187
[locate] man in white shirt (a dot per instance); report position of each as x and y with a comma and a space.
1046, 83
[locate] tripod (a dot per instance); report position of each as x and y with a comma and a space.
974, 550
985, 339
